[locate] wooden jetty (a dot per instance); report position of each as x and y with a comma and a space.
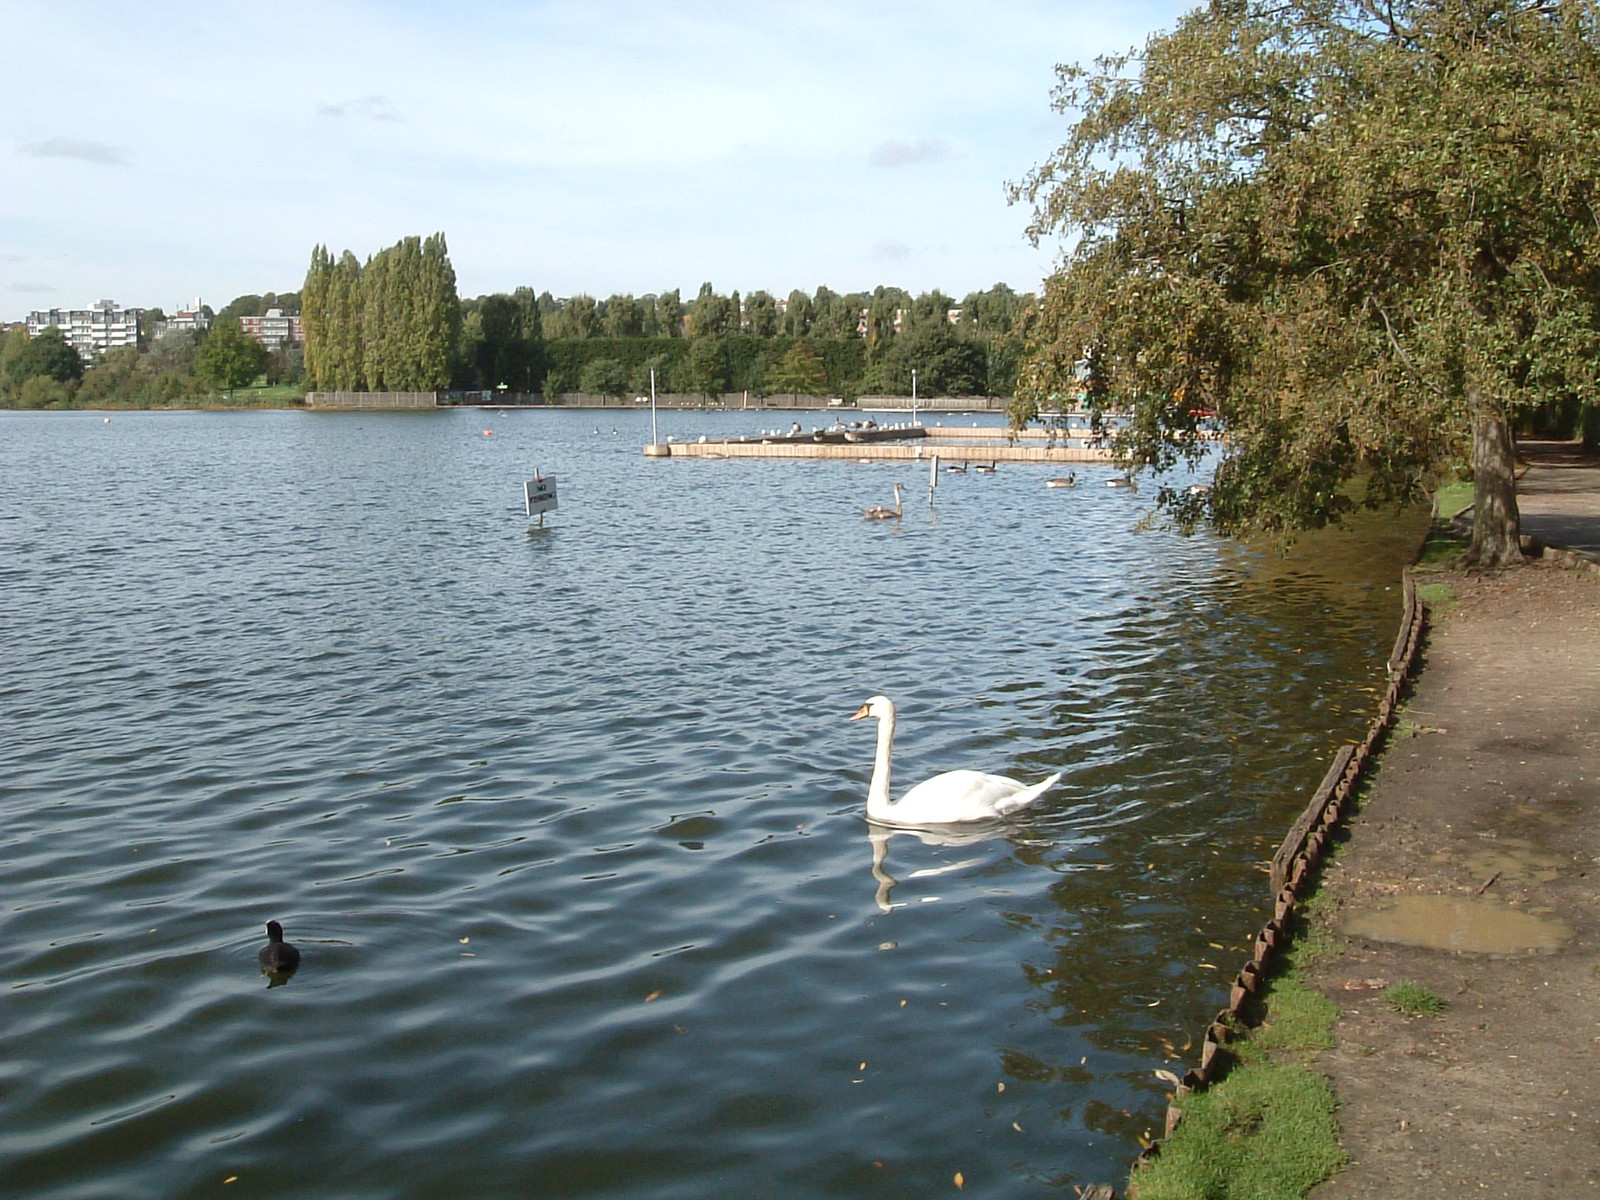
909, 443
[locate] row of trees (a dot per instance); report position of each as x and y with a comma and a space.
851, 343
1362, 232
391, 324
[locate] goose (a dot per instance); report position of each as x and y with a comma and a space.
277, 957
957, 468
1070, 479
879, 513
1119, 481
986, 468
946, 799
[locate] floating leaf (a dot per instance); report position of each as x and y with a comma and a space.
1168, 1077
655, 995
959, 1181
1000, 1087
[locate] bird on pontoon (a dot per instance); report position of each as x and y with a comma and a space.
947, 799
878, 512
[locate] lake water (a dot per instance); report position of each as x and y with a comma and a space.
568, 822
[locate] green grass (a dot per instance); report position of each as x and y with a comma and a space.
1267, 1132
1413, 1000
1436, 595
1451, 497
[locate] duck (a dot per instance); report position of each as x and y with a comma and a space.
879, 513
1070, 479
277, 957
951, 798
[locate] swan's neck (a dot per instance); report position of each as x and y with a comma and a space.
878, 793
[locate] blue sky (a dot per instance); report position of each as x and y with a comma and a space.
158, 153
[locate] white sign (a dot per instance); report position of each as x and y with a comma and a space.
539, 495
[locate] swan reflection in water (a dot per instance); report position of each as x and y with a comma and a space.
948, 835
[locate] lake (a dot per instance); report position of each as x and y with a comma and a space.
568, 822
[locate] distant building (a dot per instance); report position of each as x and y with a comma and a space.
187, 320
102, 326
274, 329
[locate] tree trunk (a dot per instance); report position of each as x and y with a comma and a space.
1496, 520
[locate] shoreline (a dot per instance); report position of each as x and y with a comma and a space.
1486, 780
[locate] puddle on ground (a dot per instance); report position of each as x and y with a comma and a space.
1465, 924
1512, 859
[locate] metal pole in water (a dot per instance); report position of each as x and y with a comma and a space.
913, 395
654, 440
933, 478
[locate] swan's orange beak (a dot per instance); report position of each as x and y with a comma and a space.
861, 712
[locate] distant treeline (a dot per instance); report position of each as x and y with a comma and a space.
845, 344
395, 322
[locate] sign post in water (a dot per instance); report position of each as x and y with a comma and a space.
539, 495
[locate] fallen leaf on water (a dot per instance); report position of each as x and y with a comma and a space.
679, 1029
1167, 1077
1017, 1127
999, 1087
959, 1181
231, 1179
887, 945
465, 940
655, 995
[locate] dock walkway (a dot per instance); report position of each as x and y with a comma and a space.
906, 443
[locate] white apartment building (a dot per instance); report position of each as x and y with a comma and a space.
273, 329
93, 330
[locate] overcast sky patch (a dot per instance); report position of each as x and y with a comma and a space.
891, 251
89, 152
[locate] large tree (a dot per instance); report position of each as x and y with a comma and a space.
48, 355
1361, 232
229, 357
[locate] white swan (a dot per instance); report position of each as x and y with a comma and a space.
879, 513
946, 799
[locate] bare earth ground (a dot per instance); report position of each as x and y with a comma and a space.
1485, 816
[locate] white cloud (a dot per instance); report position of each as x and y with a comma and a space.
83, 151
373, 108
902, 154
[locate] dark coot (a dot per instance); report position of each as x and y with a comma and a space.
277, 956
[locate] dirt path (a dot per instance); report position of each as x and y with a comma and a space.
1473, 868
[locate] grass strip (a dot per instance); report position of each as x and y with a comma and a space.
1268, 1129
